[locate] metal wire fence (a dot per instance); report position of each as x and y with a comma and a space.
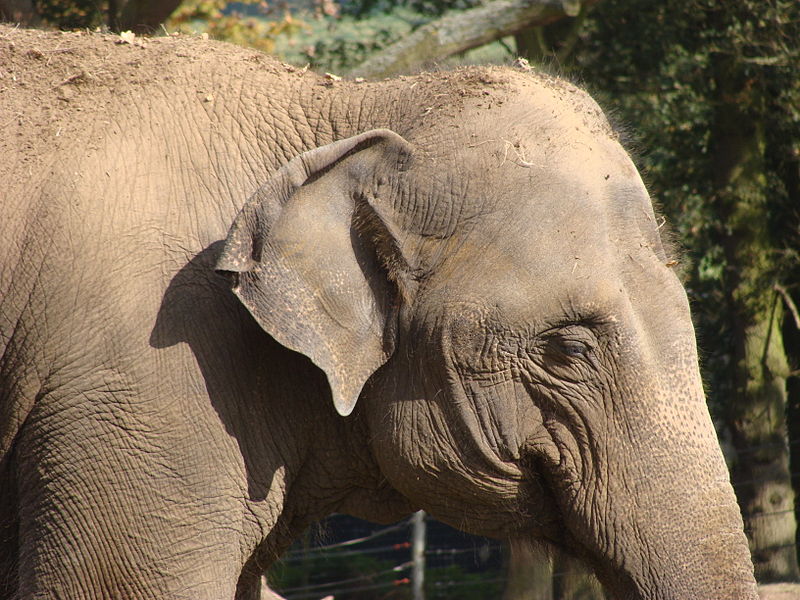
349, 559
375, 563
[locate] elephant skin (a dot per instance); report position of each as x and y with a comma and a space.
236, 296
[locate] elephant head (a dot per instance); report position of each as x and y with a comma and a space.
493, 297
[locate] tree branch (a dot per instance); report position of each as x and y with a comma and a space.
789, 303
462, 31
19, 11
574, 34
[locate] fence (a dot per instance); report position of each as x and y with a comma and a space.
376, 563
350, 559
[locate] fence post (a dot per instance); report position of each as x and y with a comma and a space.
418, 555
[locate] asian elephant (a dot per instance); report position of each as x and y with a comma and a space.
236, 296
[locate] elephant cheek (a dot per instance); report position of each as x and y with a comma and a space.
445, 460
498, 416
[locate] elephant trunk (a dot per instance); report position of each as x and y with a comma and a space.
645, 497
671, 528
682, 547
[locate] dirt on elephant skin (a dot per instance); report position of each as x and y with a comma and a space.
60, 84
61, 87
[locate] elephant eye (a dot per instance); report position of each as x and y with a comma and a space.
569, 353
574, 348
569, 343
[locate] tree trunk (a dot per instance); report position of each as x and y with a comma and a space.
790, 176
792, 339
19, 11
757, 411
529, 43
460, 31
553, 42
144, 16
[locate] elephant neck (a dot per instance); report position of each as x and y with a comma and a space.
346, 469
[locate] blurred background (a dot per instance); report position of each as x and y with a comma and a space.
709, 95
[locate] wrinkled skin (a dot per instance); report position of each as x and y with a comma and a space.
445, 292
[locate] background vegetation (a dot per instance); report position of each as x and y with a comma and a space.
711, 93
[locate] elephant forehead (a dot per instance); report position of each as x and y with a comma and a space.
573, 260
583, 202
530, 140
549, 217
561, 245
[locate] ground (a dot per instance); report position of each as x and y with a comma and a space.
780, 591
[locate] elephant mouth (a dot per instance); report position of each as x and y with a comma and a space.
540, 511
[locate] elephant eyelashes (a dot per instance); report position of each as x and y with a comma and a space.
570, 342
574, 348
569, 353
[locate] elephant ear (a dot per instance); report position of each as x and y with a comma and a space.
315, 260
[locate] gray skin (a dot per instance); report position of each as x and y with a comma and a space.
445, 292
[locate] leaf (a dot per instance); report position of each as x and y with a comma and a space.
127, 37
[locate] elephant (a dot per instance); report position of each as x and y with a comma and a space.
237, 296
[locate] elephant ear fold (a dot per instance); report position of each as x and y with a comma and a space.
305, 258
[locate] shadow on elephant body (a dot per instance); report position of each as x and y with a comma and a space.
259, 388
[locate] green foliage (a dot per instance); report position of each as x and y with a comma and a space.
429, 8
216, 18
351, 577
652, 65
454, 583
72, 14
337, 44
351, 41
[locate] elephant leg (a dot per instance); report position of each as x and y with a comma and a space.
253, 584
113, 507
